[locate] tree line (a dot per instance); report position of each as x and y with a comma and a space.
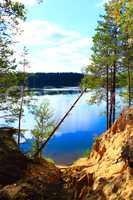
112, 57
41, 80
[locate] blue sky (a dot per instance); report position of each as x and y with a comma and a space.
58, 33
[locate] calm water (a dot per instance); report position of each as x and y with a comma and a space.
79, 129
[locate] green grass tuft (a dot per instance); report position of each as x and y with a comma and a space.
86, 153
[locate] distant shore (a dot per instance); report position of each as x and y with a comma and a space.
41, 80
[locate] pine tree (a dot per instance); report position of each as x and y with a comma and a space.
102, 74
10, 14
44, 125
122, 11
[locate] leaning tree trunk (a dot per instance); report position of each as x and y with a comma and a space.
58, 125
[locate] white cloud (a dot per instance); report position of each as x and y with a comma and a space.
41, 32
101, 4
52, 48
28, 2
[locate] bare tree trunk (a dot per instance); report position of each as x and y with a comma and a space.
22, 101
20, 115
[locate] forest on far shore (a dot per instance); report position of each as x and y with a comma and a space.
41, 80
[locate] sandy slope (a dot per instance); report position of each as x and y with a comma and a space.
106, 174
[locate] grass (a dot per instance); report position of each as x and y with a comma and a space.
49, 160
86, 153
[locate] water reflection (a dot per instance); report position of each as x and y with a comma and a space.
55, 91
79, 129
77, 132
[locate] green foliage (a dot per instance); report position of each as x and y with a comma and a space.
10, 15
49, 160
17, 95
112, 57
86, 153
122, 12
44, 124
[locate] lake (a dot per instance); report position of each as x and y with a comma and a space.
78, 131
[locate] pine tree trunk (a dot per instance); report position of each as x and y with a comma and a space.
114, 92
107, 96
110, 112
111, 95
129, 86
